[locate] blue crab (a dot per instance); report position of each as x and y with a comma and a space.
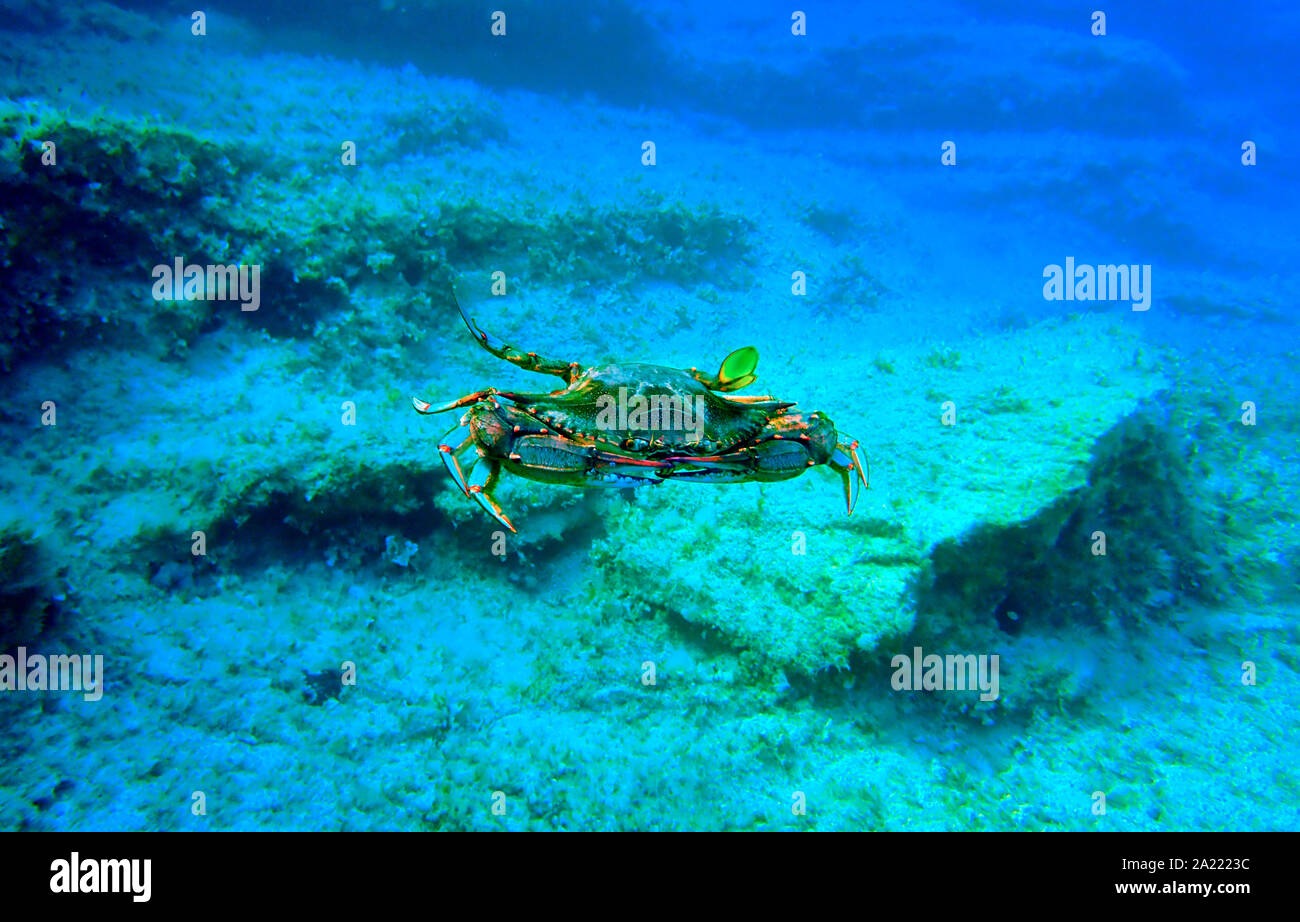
583, 434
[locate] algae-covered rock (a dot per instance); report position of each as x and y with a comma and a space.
91, 205
959, 446
26, 593
95, 202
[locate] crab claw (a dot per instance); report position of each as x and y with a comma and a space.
845, 460
427, 409
489, 505
448, 454
486, 340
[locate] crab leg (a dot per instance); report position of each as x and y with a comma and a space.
711, 474
736, 371
448, 454
845, 460
770, 404
761, 400
428, 409
748, 459
479, 488
775, 457
617, 480
539, 450
529, 361
482, 492
617, 471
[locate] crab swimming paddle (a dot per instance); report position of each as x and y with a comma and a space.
738, 369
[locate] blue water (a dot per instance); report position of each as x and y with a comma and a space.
223, 504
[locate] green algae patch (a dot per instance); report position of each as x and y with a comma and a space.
958, 448
29, 585
90, 205
95, 202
